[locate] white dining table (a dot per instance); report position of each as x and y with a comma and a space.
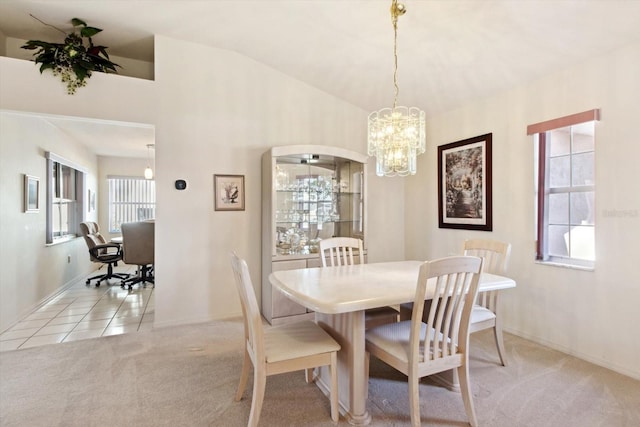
339, 296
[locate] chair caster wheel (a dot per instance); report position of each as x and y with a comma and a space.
88, 282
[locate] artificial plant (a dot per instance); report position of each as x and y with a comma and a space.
76, 58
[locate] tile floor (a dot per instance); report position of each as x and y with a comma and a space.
84, 311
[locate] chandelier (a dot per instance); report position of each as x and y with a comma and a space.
396, 135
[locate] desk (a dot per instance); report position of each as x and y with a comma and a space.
116, 240
339, 296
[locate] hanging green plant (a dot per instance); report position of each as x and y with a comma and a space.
76, 58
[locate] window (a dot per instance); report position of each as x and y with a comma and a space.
130, 199
565, 189
65, 183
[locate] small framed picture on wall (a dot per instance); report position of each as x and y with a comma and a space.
31, 194
228, 192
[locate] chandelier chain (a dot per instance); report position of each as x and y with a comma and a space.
395, 59
397, 9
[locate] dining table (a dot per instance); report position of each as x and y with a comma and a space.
339, 297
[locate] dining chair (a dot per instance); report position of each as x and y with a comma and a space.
485, 313
279, 349
338, 251
417, 348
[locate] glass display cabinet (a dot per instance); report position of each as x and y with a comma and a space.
310, 193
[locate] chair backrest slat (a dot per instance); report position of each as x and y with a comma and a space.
496, 259
495, 253
451, 282
338, 251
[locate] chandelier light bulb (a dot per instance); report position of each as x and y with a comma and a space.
148, 172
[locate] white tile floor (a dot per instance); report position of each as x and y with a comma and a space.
84, 311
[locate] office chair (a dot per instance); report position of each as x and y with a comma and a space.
102, 252
138, 244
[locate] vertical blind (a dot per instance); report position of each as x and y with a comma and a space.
130, 199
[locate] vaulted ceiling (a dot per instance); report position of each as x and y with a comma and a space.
449, 51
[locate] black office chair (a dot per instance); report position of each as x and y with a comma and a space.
102, 252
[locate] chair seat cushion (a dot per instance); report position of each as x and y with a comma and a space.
481, 314
394, 338
299, 339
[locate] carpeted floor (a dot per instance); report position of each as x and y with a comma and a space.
187, 376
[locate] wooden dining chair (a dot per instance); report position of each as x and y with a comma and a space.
279, 349
338, 251
417, 348
485, 313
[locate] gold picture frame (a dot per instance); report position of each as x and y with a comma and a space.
228, 192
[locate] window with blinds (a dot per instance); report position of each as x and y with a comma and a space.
131, 199
65, 198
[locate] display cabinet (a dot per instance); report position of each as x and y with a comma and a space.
310, 193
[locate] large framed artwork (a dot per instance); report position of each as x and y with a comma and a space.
464, 184
31, 194
228, 192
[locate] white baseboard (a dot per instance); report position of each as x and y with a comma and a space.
46, 299
589, 358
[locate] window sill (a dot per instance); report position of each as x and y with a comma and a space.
62, 240
565, 265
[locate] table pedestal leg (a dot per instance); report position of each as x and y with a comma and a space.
348, 330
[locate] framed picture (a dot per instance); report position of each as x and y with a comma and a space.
31, 193
464, 184
228, 192
91, 205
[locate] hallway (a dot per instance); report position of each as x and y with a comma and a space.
82, 311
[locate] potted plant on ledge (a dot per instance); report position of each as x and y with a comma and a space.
76, 58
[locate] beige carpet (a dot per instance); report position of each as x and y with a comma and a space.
187, 376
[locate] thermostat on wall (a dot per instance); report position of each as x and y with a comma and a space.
181, 184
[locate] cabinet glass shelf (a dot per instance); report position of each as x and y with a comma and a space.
310, 193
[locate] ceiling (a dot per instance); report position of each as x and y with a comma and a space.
449, 51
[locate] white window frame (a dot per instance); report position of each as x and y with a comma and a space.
54, 185
541, 132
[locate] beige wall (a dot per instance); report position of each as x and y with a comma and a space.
217, 112
30, 271
591, 314
217, 116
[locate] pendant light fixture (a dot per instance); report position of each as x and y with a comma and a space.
396, 135
148, 172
